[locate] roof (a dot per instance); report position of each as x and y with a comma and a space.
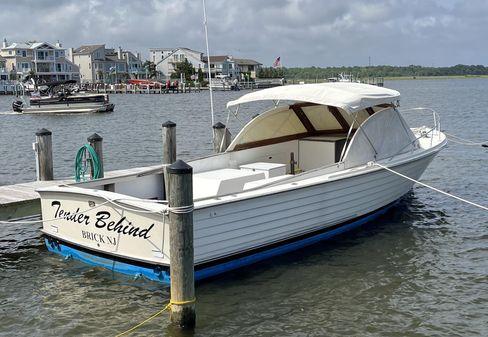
88, 49
351, 97
246, 62
30, 45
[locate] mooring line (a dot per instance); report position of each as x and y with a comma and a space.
167, 307
463, 141
431, 187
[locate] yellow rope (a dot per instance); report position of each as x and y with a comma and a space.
167, 307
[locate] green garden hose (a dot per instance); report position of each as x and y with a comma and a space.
82, 163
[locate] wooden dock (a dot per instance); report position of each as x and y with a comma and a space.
21, 200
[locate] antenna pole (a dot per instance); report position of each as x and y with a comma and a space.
208, 61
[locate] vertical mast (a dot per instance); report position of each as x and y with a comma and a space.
208, 61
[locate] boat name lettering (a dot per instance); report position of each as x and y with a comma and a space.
120, 227
69, 216
100, 238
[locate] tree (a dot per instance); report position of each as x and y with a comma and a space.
150, 68
200, 75
100, 75
185, 68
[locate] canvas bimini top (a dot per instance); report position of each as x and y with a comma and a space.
350, 97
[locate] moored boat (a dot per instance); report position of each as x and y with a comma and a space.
63, 97
311, 167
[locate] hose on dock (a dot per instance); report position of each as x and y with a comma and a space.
82, 163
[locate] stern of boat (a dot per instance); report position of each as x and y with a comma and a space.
106, 228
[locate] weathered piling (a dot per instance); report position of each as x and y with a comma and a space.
181, 244
221, 137
95, 141
44, 154
169, 142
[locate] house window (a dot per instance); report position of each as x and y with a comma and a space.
58, 67
24, 53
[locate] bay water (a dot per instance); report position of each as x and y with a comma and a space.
419, 270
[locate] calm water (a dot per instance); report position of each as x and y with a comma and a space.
421, 270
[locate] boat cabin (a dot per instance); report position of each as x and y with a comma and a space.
309, 127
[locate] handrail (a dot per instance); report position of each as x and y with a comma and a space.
435, 116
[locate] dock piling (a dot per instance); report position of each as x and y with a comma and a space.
44, 155
95, 141
221, 137
181, 244
169, 142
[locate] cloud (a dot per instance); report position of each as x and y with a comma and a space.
302, 32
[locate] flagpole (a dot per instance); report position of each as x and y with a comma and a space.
208, 62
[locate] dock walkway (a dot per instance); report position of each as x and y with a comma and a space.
21, 200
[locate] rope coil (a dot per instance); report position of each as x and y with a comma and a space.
82, 163
181, 209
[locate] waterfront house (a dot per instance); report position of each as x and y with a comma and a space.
156, 55
169, 58
248, 68
230, 67
99, 64
43, 60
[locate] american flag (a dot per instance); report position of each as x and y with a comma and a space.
277, 62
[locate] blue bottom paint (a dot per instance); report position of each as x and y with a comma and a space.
162, 274
155, 273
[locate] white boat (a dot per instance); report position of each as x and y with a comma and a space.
251, 202
62, 97
342, 77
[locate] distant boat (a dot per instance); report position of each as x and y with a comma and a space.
221, 82
309, 168
342, 77
145, 83
62, 97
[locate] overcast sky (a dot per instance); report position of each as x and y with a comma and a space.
302, 32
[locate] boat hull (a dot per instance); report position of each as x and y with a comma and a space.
232, 232
160, 273
68, 108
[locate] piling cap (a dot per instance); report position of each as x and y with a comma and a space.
218, 125
180, 167
43, 132
169, 124
95, 138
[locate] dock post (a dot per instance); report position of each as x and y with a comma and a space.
181, 244
221, 137
44, 154
95, 141
169, 142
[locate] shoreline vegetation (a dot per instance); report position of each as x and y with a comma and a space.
411, 72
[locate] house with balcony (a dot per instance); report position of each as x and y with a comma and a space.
170, 58
222, 66
230, 67
99, 64
248, 68
45, 61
